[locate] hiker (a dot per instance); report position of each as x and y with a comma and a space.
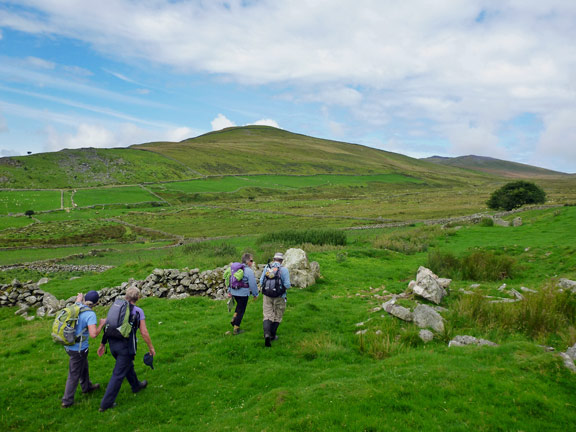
275, 280
124, 351
241, 290
78, 367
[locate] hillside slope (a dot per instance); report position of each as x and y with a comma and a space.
88, 167
232, 151
267, 150
495, 166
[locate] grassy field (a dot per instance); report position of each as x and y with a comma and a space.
320, 375
112, 195
234, 183
21, 201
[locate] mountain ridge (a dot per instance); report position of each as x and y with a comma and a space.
495, 166
245, 150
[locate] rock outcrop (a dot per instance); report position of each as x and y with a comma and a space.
430, 286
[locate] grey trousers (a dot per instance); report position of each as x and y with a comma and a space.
77, 372
273, 308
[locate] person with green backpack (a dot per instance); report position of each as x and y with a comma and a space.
84, 325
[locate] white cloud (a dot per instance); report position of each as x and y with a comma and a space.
339, 95
221, 122
104, 136
86, 135
455, 64
40, 63
266, 122
557, 144
180, 134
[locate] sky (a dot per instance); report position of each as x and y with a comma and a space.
417, 77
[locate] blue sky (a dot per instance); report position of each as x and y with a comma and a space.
417, 77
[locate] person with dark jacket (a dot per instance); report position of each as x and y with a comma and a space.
274, 282
242, 293
124, 351
78, 366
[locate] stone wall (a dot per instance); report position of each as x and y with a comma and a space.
162, 283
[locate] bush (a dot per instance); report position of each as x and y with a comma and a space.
313, 236
539, 315
480, 265
486, 222
516, 194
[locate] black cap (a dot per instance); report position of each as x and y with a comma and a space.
92, 296
148, 360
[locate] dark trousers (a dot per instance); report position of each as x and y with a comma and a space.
77, 372
241, 303
124, 368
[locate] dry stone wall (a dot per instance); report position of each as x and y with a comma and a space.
162, 283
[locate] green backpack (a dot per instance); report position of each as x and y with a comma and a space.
64, 325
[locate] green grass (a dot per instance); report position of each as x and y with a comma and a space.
233, 183
320, 375
91, 167
23, 200
115, 195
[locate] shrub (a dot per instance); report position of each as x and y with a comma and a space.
539, 315
298, 237
479, 265
516, 194
486, 222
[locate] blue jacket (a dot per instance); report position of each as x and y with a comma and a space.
284, 275
252, 288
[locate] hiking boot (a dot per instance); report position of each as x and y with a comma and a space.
237, 331
275, 326
102, 409
67, 405
92, 388
267, 326
143, 385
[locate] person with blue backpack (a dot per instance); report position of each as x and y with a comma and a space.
241, 283
274, 282
78, 371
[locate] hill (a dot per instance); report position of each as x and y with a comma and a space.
493, 166
267, 150
232, 151
88, 167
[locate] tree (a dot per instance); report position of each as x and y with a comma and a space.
516, 194
29, 213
